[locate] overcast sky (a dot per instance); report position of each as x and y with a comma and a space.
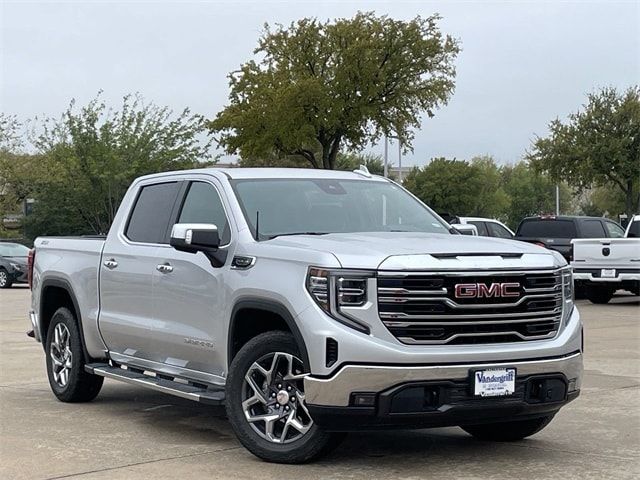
522, 64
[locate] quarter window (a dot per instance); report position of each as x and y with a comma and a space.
150, 217
615, 230
203, 205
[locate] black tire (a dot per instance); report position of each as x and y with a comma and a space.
507, 431
5, 279
313, 444
599, 295
80, 386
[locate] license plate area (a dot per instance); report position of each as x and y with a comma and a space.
608, 273
493, 382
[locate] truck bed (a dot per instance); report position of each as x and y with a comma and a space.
74, 261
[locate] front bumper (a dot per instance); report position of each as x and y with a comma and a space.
447, 396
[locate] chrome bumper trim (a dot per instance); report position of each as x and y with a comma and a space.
335, 391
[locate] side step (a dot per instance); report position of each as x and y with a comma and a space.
199, 393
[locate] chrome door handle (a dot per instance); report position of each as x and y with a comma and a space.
111, 264
164, 268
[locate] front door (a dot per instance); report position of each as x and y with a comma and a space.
190, 294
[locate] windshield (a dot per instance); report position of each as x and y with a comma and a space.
13, 250
319, 206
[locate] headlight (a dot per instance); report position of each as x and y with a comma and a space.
567, 294
336, 290
16, 266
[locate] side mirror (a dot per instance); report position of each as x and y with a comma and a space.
195, 237
466, 229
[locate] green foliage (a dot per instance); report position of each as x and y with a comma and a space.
480, 188
321, 87
89, 156
598, 146
459, 187
353, 161
603, 201
531, 193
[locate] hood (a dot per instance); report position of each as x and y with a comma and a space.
414, 250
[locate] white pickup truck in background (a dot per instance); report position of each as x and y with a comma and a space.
604, 265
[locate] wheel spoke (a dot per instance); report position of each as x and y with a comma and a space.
61, 355
281, 419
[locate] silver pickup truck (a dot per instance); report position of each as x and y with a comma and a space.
309, 303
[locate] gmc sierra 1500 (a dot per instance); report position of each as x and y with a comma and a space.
310, 303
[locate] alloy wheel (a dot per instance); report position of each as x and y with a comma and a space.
274, 401
61, 355
3, 278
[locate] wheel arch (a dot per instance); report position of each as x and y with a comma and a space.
55, 293
279, 318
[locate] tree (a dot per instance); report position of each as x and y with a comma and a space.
459, 187
91, 154
530, 192
598, 146
322, 87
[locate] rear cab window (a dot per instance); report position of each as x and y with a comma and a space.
151, 214
547, 228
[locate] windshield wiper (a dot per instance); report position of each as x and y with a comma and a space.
296, 233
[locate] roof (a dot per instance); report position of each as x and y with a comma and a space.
276, 173
562, 217
251, 173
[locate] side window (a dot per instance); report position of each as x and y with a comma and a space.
203, 205
497, 230
150, 216
482, 228
592, 229
615, 230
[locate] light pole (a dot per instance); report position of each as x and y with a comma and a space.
386, 156
557, 200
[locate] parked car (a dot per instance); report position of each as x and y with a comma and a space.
13, 264
487, 227
633, 228
556, 232
310, 303
602, 266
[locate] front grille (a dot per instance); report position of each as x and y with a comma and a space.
422, 308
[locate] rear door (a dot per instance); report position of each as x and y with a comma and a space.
129, 260
190, 294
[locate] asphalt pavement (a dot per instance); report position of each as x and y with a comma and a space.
130, 432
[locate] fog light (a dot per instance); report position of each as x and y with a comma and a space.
572, 385
363, 399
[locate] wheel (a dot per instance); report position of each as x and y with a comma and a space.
507, 431
599, 295
5, 279
65, 361
266, 403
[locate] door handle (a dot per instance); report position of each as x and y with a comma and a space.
110, 264
164, 268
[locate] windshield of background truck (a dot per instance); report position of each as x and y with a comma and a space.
634, 229
291, 206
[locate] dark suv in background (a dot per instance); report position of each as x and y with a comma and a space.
556, 232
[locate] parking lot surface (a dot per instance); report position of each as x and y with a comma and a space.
129, 432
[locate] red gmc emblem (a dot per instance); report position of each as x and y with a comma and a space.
483, 290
